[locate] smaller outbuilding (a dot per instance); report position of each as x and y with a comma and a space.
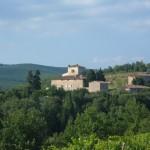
143, 75
98, 86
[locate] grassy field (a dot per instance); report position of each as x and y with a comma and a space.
118, 80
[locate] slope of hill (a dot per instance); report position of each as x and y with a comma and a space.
118, 80
12, 75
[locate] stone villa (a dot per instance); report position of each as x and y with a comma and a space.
73, 80
137, 88
144, 76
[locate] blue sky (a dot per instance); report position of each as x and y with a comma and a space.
92, 33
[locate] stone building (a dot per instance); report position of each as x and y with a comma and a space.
97, 86
69, 84
73, 80
144, 76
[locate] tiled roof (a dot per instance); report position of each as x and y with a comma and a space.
79, 77
77, 65
140, 74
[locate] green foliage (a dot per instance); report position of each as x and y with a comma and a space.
138, 142
23, 130
94, 75
139, 66
118, 80
51, 109
53, 117
34, 81
138, 81
100, 75
90, 75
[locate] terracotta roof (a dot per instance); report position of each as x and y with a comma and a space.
101, 82
77, 65
140, 74
79, 77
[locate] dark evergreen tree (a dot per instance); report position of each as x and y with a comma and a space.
90, 75
34, 81
138, 81
37, 80
30, 78
100, 75
30, 82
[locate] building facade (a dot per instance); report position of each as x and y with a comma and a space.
68, 85
98, 86
144, 76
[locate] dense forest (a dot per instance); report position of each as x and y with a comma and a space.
37, 118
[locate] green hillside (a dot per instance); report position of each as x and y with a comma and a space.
12, 75
117, 80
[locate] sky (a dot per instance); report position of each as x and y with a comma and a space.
93, 33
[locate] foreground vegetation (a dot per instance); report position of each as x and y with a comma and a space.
138, 142
38, 120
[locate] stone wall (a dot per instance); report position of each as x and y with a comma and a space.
97, 86
68, 85
130, 80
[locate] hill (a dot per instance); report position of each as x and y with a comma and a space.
12, 75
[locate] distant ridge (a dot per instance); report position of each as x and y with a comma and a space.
12, 75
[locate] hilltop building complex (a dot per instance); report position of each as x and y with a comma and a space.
73, 80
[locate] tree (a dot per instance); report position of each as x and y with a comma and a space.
100, 75
90, 75
30, 77
23, 130
138, 81
37, 80
34, 81
30, 82
51, 108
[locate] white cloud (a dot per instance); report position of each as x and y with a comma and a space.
107, 61
115, 60
41, 17
137, 58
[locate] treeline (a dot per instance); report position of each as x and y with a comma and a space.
138, 66
38, 120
